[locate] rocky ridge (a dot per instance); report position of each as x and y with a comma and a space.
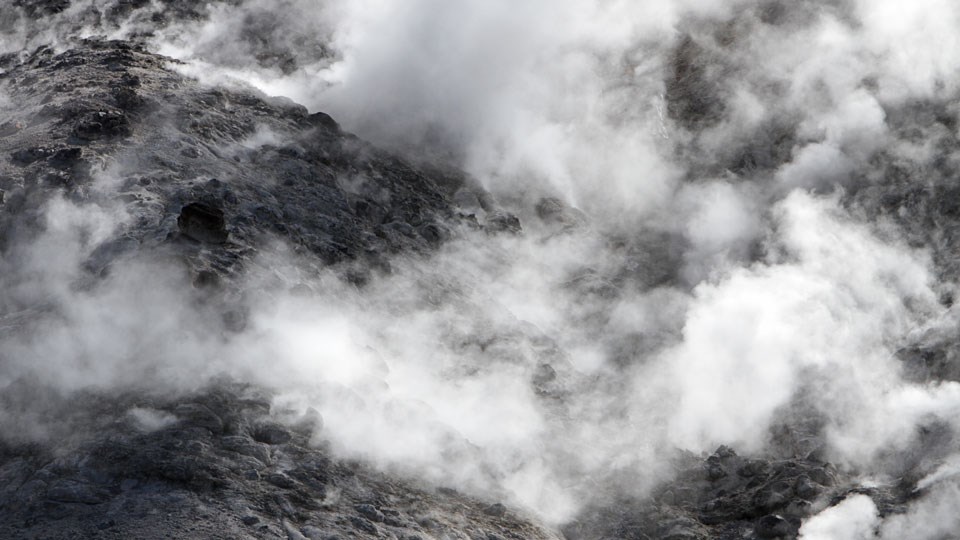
220, 464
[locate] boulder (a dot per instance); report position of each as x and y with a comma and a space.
503, 222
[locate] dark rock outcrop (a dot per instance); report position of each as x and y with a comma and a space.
724, 496
191, 163
196, 476
203, 223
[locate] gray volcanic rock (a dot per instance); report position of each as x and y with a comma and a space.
205, 165
189, 477
192, 161
724, 496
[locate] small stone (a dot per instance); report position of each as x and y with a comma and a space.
393, 522
370, 512
246, 447
773, 526
250, 520
805, 488
798, 508
544, 375
752, 468
772, 497
498, 222
313, 533
271, 433
292, 532
401, 228
10, 128
715, 472
363, 524
724, 452
325, 121
823, 475
495, 510
432, 233
280, 480
103, 124
285, 506
552, 211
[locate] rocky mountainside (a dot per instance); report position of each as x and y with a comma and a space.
214, 464
224, 315
219, 464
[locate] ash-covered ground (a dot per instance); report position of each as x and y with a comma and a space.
479, 269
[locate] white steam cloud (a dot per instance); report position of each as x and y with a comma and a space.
751, 337
853, 519
699, 304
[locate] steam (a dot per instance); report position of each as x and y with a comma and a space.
933, 516
716, 285
853, 519
857, 518
743, 357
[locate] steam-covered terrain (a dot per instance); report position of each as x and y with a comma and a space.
479, 269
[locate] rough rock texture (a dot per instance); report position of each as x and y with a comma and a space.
183, 147
202, 181
219, 464
726, 496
